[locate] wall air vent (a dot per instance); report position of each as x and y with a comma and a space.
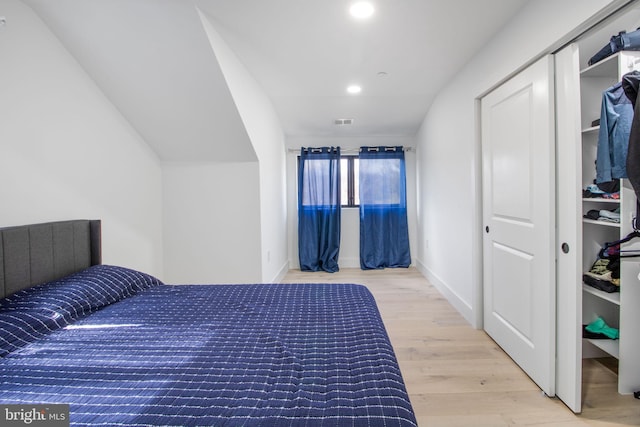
341, 122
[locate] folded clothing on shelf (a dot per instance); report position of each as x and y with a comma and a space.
593, 335
603, 190
588, 194
604, 275
599, 326
604, 215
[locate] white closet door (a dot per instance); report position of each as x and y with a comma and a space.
569, 177
518, 154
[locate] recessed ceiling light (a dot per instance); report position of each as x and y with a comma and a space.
361, 10
353, 89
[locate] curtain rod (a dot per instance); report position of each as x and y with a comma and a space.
348, 150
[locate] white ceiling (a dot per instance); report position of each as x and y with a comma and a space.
153, 60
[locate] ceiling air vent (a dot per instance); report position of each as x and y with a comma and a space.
341, 122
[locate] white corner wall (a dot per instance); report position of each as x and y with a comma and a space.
449, 192
212, 230
67, 153
267, 137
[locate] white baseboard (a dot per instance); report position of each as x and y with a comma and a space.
281, 273
463, 308
346, 262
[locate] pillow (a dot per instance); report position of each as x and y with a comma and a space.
20, 327
33, 312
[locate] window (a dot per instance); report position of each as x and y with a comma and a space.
350, 181
382, 182
319, 172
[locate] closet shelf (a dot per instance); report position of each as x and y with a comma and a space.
603, 223
613, 297
611, 347
605, 68
600, 200
591, 129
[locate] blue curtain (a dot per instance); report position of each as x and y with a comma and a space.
319, 209
384, 232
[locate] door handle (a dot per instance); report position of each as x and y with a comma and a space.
565, 248
486, 229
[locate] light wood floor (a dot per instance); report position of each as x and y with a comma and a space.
457, 376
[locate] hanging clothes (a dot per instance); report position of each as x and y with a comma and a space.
319, 209
384, 231
613, 139
630, 85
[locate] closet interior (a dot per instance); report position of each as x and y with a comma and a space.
610, 268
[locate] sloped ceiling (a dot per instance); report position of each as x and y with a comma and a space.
305, 54
152, 59
154, 62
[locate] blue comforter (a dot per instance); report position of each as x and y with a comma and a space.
151, 354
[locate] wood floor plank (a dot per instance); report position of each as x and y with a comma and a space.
457, 376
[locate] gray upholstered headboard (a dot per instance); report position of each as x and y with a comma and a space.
37, 253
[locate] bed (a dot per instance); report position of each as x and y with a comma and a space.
122, 348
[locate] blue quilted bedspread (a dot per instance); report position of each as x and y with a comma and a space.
211, 355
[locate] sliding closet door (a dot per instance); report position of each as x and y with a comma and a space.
518, 160
569, 182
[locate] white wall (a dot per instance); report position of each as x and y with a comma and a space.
267, 137
349, 256
226, 222
449, 192
212, 226
66, 152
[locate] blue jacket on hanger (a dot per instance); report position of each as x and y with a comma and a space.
631, 85
613, 140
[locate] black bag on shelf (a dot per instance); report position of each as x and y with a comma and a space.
621, 41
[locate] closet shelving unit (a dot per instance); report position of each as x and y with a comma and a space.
621, 309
